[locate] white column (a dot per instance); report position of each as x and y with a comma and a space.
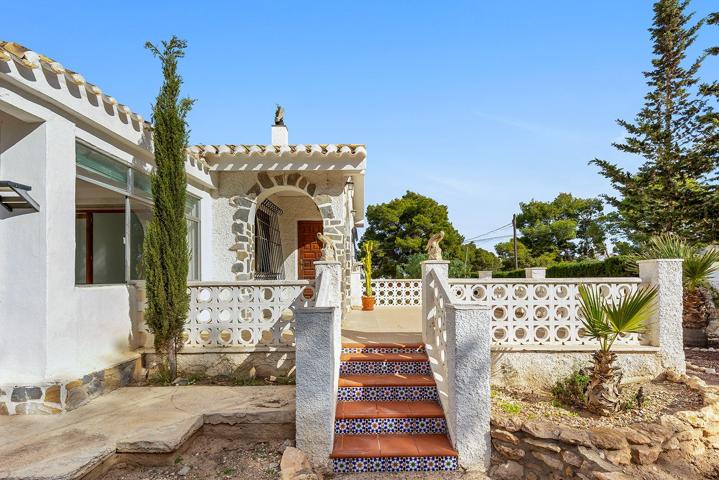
318, 341
665, 329
355, 287
469, 371
535, 272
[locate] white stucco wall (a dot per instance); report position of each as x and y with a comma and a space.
54, 330
23, 290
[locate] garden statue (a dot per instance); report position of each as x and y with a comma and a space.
280, 115
434, 252
328, 248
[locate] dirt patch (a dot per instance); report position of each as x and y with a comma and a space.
659, 398
210, 458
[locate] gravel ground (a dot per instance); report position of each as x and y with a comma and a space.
660, 398
704, 359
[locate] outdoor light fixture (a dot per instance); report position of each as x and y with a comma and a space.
15, 199
350, 184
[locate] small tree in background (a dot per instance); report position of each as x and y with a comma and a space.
166, 255
401, 228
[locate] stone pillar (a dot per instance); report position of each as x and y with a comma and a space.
442, 269
469, 371
665, 329
317, 358
535, 272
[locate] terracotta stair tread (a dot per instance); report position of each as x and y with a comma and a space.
383, 345
396, 380
384, 357
365, 409
395, 445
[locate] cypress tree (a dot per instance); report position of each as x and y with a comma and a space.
671, 190
166, 254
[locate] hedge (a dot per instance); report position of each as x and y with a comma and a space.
619, 266
519, 273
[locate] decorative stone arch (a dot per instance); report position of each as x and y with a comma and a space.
244, 217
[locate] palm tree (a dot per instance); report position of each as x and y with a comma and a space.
697, 268
605, 322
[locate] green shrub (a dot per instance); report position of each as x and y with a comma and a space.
570, 390
519, 273
619, 266
511, 408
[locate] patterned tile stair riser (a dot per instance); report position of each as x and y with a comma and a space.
395, 464
388, 426
385, 368
387, 394
383, 349
388, 416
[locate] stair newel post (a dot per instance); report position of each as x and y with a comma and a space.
441, 268
317, 358
463, 377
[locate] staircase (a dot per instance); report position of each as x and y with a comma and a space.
388, 416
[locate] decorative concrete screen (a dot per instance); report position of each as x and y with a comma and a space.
245, 314
539, 311
398, 292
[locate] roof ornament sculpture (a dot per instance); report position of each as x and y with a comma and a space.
434, 251
280, 115
329, 253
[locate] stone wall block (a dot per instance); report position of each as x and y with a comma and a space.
265, 180
255, 190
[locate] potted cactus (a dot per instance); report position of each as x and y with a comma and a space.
368, 298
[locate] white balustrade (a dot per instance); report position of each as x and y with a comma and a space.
539, 311
397, 292
245, 314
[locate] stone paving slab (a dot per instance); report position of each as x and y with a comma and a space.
132, 419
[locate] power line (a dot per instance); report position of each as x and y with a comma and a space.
481, 240
491, 231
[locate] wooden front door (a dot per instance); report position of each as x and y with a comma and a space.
309, 249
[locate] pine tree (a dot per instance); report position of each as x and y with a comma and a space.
166, 253
710, 91
671, 190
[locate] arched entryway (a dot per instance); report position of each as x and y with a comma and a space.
276, 224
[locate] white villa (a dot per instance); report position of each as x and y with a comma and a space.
262, 302
253, 213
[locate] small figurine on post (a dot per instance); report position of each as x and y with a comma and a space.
434, 252
329, 254
368, 298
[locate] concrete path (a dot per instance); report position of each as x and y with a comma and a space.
131, 420
383, 325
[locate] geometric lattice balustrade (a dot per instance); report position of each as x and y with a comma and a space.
256, 313
397, 292
539, 311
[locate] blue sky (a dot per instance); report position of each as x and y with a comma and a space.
479, 105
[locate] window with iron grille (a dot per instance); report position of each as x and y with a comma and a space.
268, 244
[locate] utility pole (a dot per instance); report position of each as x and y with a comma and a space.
514, 240
466, 251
